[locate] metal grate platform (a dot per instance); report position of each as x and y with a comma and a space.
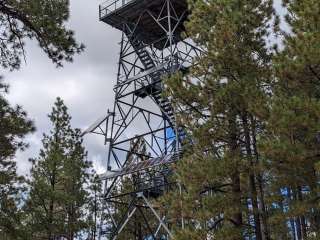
110, 6
136, 167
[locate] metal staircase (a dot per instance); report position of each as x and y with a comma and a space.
155, 88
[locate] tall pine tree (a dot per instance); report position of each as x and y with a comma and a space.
224, 102
94, 207
58, 181
291, 145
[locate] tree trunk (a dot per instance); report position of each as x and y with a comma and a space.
315, 217
51, 206
95, 215
297, 219
264, 214
252, 180
236, 189
292, 220
298, 228
235, 178
302, 217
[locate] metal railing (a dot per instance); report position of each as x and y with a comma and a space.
110, 6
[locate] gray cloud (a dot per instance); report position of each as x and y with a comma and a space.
86, 85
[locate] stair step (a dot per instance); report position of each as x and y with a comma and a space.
165, 105
156, 76
168, 105
157, 94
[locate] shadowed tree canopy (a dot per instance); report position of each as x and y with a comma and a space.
42, 20
253, 114
14, 125
221, 102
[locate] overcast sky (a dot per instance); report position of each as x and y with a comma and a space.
85, 85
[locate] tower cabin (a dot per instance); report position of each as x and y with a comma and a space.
152, 20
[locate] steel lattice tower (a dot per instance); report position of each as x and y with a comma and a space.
153, 46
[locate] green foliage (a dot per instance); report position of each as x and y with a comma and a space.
291, 144
94, 207
252, 170
253, 115
58, 178
14, 126
224, 100
22, 20
42, 20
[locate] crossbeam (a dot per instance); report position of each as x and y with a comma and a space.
136, 167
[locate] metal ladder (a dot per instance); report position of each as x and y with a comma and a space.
156, 92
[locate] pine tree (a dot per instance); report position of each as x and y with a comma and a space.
75, 180
291, 146
95, 204
41, 20
58, 178
224, 100
14, 126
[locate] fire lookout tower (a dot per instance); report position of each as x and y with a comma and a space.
141, 130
